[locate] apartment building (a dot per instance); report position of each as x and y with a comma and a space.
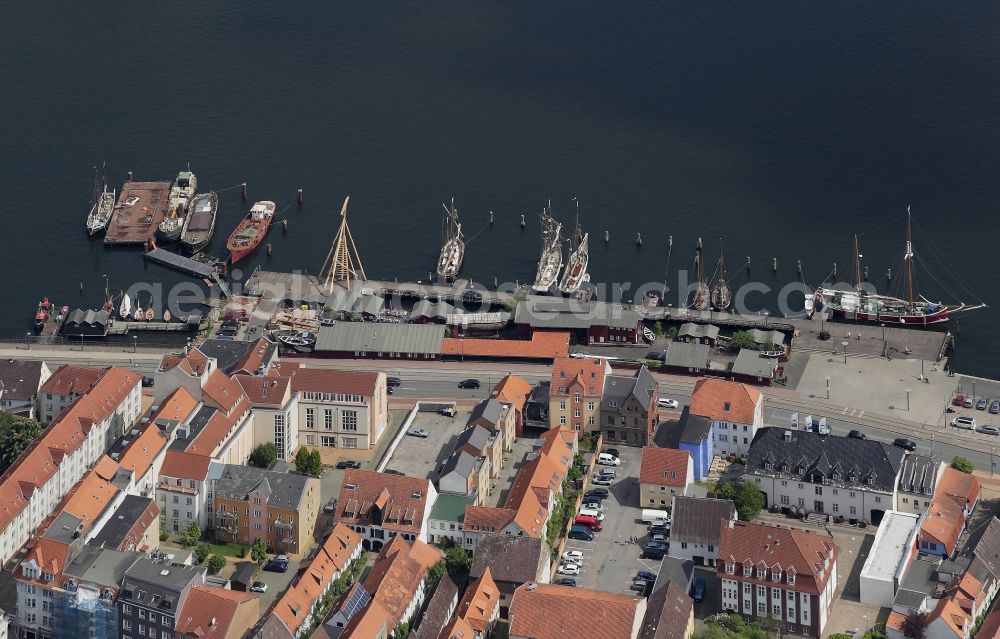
274, 411
663, 473
381, 506
181, 492
628, 408
735, 410
153, 594
20, 387
696, 526
216, 613
546, 611
63, 387
575, 392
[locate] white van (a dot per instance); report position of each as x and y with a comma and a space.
608, 459
650, 514
596, 514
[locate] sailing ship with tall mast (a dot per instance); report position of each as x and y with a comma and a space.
181, 193
864, 305
102, 204
551, 259
576, 274
702, 295
722, 297
453, 249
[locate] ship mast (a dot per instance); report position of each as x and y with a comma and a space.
909, 260
339, 265
857, 264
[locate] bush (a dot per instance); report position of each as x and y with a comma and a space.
748, 498
216, 563
742, 339
962, 464
309, 462
203, 551
16, 434
435, 572
258, 552
192, 534
164, 536
263, 456
457, 561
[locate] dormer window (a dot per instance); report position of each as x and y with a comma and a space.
853, 477
730, 568
784, 468
768, 466
726, 406
836, 477
871, 480
761, 573
790, 578
747, 571
776, 575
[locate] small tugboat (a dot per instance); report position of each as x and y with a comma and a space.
42, 314
722, 297
551, 258
200, 222
302, 341
251, 231
102, 205
576, 274
181, 193
864, 305
453, 249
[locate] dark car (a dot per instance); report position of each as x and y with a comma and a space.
654, 550
981, 404
393, 381
905, 444
658, 530
613, 451
639, 585
276, 566
348, 463
857, 434
565, 581
330, 506
147, 381
958, 401
645, 574
472, 383
600, 493
698, 589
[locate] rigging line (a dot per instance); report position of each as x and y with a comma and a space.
229, 188
476, 234
935, 278
943, 263
878, 227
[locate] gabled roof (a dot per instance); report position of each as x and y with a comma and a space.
547, 611
698, 331
698, 520
183, 465
235, 357
138, 456
619, 388
689, 429
509, 558
724, 401
668, 612
210, 613
178, 406
72, 379
487, 518
193, 362
19, 379
687, 355
222, 390
283, 490
325, 380
264, 391
751, 364
665, 467
543, 345
474, 440
480, 602
961, 487
397, 573
488, 410
587, 373
402, 505
512, 390
945, 520
765, 545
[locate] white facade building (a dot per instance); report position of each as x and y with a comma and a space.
894, 548
735, 410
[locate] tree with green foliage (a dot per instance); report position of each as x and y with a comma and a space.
435, 572
309, 462
749, 501
192, 535
164, 535
203, 551
962, 464
457, 561
658, 328
263, 456
258, 552
877, 632
840, 635
743, 339
725, 491
216, 563
16, 434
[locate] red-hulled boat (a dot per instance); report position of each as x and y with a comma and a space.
44, 308
251, 231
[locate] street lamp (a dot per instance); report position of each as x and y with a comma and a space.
27, 340
135, 342
844, 344
992, 452
907, 399
828, 387
765, 319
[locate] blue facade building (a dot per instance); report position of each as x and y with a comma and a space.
693, 434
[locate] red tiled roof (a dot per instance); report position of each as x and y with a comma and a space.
88, 499
218, 429
487, 518
778, 548
542, 345
209, 613
224, 391
264, 391
193, 362
323, 380
141, 451
962, 487
547, 611
512, 390
664, 467
396, 574
182, 465
402, 510
177, 407
585, 373
710, 397
254, 358
72, 380
480, 602
956, 491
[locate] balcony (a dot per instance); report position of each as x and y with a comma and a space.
227, 515
231, 529
287, 525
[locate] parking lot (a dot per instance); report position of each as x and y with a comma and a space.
611, 561
422, 456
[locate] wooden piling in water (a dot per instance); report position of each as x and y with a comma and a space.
638, 239
300, 197
243, 193
774, 265
269, 249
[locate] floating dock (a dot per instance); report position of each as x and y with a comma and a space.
139, 210
179, 263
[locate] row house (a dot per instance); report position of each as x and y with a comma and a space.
216, 613
20, 387
735, 410
32, 487
768, 571
382, 506
575, 392
629, 408
954, 500
153, 594
480, 606
392, 593
477, 455
182, 493
840, 476
547, 611
511, 561
250, 504
237, 357
696, 528
63, 388
515, 391
291, 615
663, 473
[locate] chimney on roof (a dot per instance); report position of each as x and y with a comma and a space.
730, 524
787, 436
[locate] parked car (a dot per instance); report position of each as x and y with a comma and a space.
981, 404
258, 586
608, 472
469, 383
965, 423
613, 451
147, 381
958, 401
659, 530
604, 480
581, 533
393, 471
698, 589
282, 558
573, 560
654, 550
989, 429
348, 463
568, 569
448, 411
665, 402
645, 574
418, 432
905, 444
276, 566
969, 401
565, 581
607, 459
596, 492
659, 537
573, 554
995, 407
330, 506
638, 585
857, 434
393, 381
592, 505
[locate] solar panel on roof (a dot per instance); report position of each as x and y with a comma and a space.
359, 600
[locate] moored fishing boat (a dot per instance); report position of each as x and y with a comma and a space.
181, 193
126, 306
721, 295
199, 224
251, 231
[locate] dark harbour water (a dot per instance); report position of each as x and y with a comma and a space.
783, 128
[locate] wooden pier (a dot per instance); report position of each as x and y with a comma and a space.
187, 265
139, 210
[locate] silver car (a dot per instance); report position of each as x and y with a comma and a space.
989, 429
